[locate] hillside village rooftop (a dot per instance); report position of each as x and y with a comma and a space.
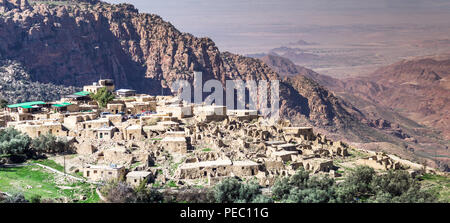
207, 164
27, 104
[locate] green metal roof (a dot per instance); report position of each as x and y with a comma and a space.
27, 104
82, 93
61, 105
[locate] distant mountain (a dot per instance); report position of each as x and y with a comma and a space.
302, 43
418, 89
372, 96
295, 54
286, 67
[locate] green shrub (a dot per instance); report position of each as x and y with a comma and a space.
50, 144
15, 198
231, 190
3, 103
301, 188
362, 185
103, 97
14, 143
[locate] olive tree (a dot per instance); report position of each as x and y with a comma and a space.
50, 144
14, 144
103, 97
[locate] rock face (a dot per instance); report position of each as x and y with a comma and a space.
75, 43
16, 85
286, 67
6, 5
421, 81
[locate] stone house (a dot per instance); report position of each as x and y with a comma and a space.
175, 144
287, 147
103, 173
93, 124
65, 107
85, 148
115, 107
176, 134
160, 117
139, 107
245, 168
76, 98
284, 156
135, 178
21, 116
116, 120
179, 111
218, 168
73, 120
26, 107
318, 165
146, 98
118, 155
298, 132
169, 125
210, 113
243, 114
133, 132
380, 161
36, 129
108, 83
126, 93
106, 133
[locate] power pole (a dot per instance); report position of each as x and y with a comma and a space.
64, 156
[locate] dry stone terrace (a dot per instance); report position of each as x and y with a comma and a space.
161, 139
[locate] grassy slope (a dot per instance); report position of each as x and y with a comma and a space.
437, 184
49, 163
43, 183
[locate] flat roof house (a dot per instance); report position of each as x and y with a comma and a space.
108, 83
103, 173
26, 107
125, 93
175, 144
135, 178
106, 132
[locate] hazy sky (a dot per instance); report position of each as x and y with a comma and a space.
245, 26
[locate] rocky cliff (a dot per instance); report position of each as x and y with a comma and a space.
418, 89
16, 85
74, 43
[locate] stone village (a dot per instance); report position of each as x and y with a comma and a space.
162, 140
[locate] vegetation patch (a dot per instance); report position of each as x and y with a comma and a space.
49, 163
437, 185
35, 182
172, 184
134, 165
